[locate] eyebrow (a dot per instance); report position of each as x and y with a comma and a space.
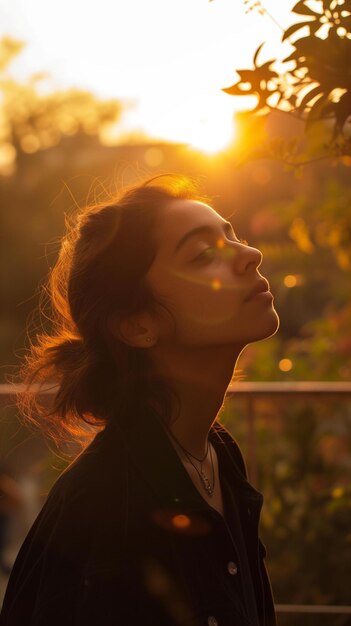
203, 230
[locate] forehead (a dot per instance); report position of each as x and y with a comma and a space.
181, 216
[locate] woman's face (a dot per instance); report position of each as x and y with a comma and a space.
204, 274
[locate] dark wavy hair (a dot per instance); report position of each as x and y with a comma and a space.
104, 257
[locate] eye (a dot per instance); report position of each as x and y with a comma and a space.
207, 255
211, 252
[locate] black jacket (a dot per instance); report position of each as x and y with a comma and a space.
125, 538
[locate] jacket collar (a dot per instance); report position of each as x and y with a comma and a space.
152, 453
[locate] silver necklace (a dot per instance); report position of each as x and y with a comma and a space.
203, 477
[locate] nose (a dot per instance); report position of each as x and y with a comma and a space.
244, 257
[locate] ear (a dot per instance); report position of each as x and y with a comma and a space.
138, 330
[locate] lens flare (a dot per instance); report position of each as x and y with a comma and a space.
181, 521
220, 244
216, 284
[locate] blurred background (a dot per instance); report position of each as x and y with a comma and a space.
96, 95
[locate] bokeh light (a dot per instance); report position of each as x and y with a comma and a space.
285, 365
290, 280
293, 280
153, 157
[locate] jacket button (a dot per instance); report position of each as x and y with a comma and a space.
211, 621
232, 568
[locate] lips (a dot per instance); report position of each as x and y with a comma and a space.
260, 286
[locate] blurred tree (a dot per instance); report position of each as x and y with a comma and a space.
311, 84
32, 121
45, 137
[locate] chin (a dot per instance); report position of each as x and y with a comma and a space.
270, 329
267, 330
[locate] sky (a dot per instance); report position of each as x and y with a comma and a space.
167, 60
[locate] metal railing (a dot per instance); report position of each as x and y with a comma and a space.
254, 390
251, 391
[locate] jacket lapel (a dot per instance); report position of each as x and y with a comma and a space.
232, 463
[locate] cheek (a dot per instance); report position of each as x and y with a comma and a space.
207, 304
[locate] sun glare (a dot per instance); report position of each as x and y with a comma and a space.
212, 135
205, 124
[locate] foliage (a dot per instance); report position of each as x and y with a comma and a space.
312, 83
31, 120
303, 461
314, 305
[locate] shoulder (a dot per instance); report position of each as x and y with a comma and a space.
93, 468
80, 507
80, 516
84, 490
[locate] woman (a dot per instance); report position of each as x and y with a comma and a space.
154, 299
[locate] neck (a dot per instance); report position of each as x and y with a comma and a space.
200, 379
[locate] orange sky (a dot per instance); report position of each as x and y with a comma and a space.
167, 59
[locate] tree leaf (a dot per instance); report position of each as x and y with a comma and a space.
316, 91
342, 109
246, 76
346, 6
310, 45
235, 90
257, 53
265, 66
292, 57
293, 29
302, 9
346, 22
314, 26
317, 111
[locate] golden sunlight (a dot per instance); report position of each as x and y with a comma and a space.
205, 123
169, 75
212, 134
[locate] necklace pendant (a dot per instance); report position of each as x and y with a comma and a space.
206, 484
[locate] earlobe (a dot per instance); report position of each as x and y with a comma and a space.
150, 341
136, 331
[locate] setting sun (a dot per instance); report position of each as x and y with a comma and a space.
212, 135
206, 124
